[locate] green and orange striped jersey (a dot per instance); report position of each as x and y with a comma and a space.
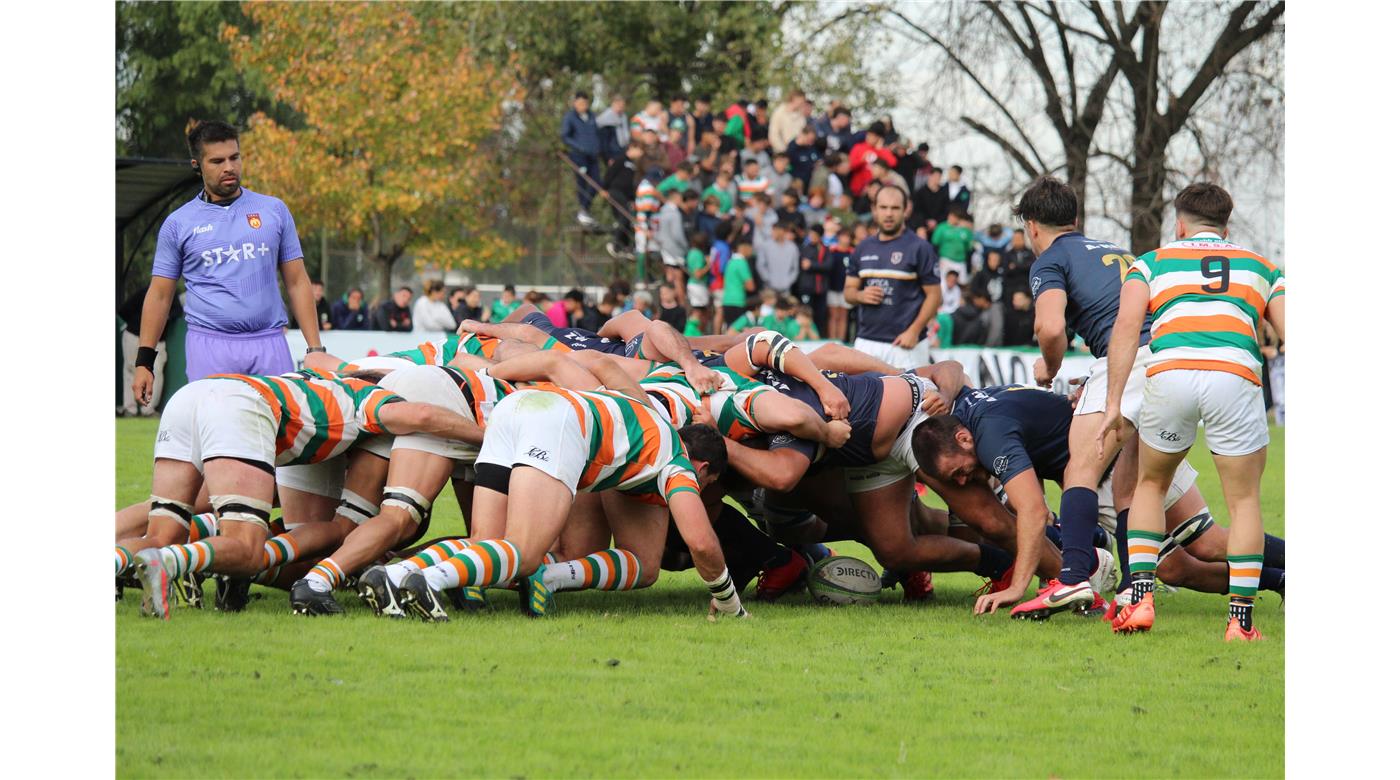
632, 448
1207, 297
751, 187
647, 206
318, 415
481, 390
442, 351
731, 405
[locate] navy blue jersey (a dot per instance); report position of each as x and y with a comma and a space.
1091, 274
902, 266
1015, 428
864, 391
579, 338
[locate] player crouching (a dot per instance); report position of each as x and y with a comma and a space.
543, 446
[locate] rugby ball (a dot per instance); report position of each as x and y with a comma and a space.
842, 579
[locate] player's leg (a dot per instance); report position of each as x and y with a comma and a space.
883, 513
1079, 504
587, 529
173, 487
1239, 481
977, 508
633, 560
415, 477
242, 495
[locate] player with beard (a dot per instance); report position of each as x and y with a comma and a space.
892, 279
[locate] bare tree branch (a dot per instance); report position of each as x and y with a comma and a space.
1231, 41
1010, 148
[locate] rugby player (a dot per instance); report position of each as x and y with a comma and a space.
893, 278
419, 466
1207, 298
1017, 435
1075, 282
546, 444
231, 431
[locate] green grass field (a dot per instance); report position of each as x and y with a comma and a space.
639, 684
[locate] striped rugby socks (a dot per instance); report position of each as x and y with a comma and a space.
326, 576
204, 526
1244, 586
123, 560
611, 569
181, 559
1143, 547
480, 564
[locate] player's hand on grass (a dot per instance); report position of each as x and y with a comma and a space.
834, 403
838, 432
1043, 377
1112, 423
716, 609
141, 385
706, 380
988, 604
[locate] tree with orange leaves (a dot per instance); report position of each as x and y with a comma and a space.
395, 110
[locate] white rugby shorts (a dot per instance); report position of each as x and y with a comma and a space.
1095, 397
326, 478
898, 357
430, 385
537, 429
217, 418
1229, 406
1182, 481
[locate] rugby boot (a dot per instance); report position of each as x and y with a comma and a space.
918, 586
155, 584
189, 589
1096, 609
374, 590
999, 584
536, 599
1123, 599
1235, 632
306, 600
1105, 576
231, 593
1054, 598
468, 599
418, 598
777, 581
1135, 617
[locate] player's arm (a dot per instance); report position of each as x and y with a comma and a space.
910, 338
1050, 334
505, 330
950, 379
302, 300
1027, 498
614, 376
856, 296
1122, 349
839, 357
771, 349
777, 413
553, 367
774, 469
663, 342
693, 524
1274, 315
155, 310
408, 417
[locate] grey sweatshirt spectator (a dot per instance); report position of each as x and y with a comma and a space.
777, 258
670, 237
613, 132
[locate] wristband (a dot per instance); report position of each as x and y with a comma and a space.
309, 350
723, 592
146, 358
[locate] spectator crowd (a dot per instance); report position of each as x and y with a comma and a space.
752, 216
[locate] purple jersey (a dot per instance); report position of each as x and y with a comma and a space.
229, 257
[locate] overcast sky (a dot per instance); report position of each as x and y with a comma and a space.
926, 112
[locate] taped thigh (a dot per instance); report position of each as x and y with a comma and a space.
778, 348
178, 511
409, 500
242, 508
355, 507
1189, 531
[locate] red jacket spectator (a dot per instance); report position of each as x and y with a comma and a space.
862, 154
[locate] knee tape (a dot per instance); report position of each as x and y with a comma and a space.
355, 507
778, 348
1186, 533
409, 500
242, 508
178, 511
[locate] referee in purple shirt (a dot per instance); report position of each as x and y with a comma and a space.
228, 243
